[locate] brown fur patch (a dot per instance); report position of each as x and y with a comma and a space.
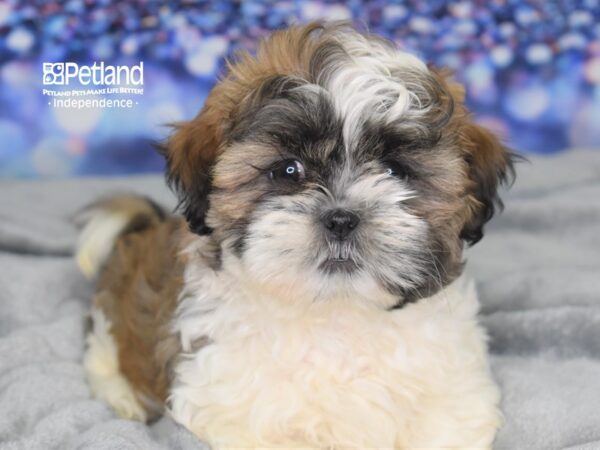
194, 147
487, 162
137, 292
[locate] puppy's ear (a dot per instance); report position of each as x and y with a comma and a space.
190, 153
490, 164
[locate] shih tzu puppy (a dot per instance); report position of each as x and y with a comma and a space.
306, 298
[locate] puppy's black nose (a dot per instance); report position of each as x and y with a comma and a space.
340, 223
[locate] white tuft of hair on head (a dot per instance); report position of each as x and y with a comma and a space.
364, 84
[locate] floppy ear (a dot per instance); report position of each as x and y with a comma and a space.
490, 164
190, 153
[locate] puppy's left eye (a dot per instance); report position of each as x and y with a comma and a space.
394, 168
288, 170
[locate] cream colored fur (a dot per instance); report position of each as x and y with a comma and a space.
101, 224
282, 373
97, 239
101, 363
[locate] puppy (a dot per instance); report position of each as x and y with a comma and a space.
307, 296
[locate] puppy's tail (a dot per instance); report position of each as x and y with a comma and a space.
105, 220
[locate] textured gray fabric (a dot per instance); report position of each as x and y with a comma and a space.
45, 402
537, 271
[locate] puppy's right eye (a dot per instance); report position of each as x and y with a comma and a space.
288, 170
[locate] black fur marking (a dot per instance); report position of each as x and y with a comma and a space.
394, 148
193, 202
240, 230
331, 266
299, 123
486, 192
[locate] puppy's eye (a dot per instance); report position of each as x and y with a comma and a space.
395, 169
288, 170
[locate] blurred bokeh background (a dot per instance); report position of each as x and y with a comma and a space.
531, 68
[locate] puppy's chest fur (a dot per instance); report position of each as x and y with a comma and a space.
336, 374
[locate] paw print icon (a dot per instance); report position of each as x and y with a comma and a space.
54, 73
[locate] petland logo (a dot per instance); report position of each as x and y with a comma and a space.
95, 86
98, 74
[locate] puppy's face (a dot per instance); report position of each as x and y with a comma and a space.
333, 164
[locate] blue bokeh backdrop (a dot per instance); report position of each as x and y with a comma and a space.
531, 68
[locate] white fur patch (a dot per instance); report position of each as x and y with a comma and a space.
284, 248
367, 85
330, 374
97, 239
101, 363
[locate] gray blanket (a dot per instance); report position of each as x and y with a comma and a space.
537, 270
